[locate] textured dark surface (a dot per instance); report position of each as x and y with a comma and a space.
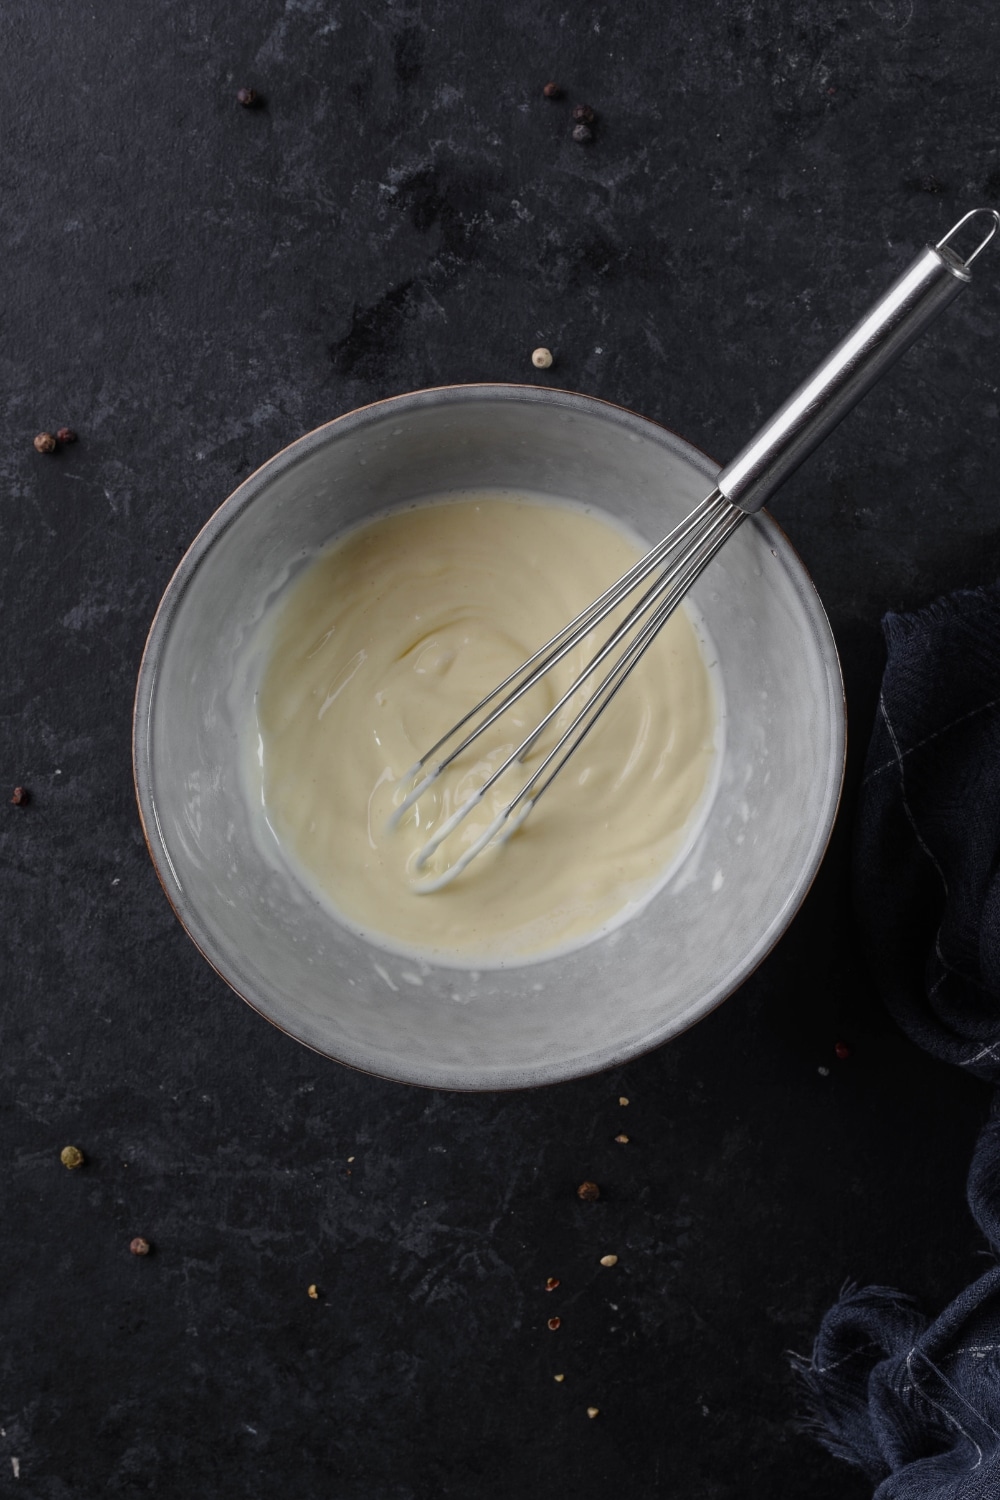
191, 285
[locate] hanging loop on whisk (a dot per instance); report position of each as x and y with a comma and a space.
946, 240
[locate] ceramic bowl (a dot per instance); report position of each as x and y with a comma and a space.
727, 902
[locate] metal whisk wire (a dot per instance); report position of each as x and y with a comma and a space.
677, 560
914, 300
546, 656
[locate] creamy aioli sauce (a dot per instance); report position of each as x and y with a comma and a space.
385, 641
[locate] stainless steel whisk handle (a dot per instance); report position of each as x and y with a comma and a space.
913, 301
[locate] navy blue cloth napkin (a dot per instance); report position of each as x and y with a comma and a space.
917, 1404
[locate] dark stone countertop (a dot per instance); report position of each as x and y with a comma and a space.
192, 285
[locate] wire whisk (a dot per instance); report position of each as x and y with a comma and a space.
928, 285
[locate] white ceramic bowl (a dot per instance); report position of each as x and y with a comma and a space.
726, 904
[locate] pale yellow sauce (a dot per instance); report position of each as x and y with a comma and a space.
391, 636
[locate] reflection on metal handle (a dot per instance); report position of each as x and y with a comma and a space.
913, 301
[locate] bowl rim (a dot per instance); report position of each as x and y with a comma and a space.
228, 511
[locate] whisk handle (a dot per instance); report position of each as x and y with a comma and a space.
913, 301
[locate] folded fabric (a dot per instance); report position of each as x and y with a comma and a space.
917, 1405
927, 844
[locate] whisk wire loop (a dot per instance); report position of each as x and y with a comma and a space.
680, 557
527, 674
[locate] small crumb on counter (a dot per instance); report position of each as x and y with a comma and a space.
622, 1139
246, 97
20, 797
313, 1291
71, 1157
559, 1378
553, 1324
842, 1050
66, 435
823, 1072
622, 1100
552, 91
541, 359
552, 1283
609, 1260
140, 1246
45, 443
593, 1411
589, 1192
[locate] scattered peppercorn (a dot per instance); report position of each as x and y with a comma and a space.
582, 134
66, 435
609, 1260
560, 1378
593, 1411
21, 796
552, 1283
139, 1246
554, 1323
589, 1192
246, 97
45, 443
552, 91
841, 1050
583, 114
541, 358
622, 1139
71, 1157
313, 1291
622, 1100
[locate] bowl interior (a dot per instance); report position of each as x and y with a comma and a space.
727, 902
